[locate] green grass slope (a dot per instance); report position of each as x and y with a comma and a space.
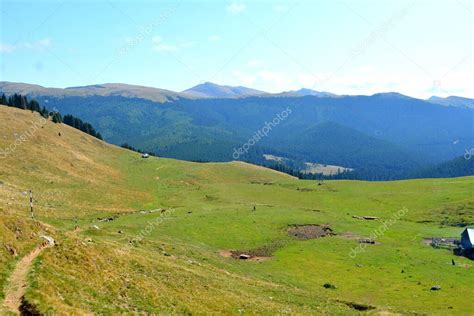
170, 261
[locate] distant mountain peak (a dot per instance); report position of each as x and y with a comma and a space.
87, 87
391, 95
452, 101
308, 92
212, 90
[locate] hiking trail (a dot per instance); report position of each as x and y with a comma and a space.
17, 283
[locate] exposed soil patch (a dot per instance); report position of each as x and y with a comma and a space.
359, 307
368, 218
258, 254
243, 255
310, 231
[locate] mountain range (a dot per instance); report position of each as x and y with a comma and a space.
105, 90
204, 90
212, 90
452, 101
383, 136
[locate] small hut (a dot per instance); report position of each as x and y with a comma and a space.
467, 239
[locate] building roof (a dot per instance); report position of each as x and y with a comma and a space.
470, 234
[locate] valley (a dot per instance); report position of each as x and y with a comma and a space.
238, 157
146, 236
310, 167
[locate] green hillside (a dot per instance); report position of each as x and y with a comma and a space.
383, 137
153, 236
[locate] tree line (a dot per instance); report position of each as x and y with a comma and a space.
21, 102
77, 123
129, 147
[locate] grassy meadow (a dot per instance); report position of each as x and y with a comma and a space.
172, 221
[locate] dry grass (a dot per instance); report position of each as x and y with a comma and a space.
177, 268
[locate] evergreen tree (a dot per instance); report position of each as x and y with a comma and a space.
16, 101
34, 106
44, 112
10, 101
57, 118
23, 102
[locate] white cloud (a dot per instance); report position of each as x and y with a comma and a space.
236, 8
214, 38
368, 79
160, 46
39, 44
358, 80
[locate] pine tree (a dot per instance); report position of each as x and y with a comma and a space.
23, 102
44, 112
16, 101
34, 106
3, 99
57, 118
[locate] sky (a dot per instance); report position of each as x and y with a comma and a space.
419, 48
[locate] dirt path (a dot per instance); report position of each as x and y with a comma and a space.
17, 284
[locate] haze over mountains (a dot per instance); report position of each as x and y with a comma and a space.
203, 90
453, 101
212, 90
383, 136
305, 91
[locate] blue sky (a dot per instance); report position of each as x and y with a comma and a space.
419, 48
